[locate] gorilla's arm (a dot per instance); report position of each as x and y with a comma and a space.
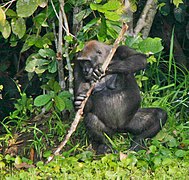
127, 60
80, 84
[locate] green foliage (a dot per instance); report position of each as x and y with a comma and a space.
55, 98
111, 9
18, 27
26, 8
147, 165
44, 60
177, 2
151, 45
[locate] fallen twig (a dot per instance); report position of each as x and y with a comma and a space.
80, 111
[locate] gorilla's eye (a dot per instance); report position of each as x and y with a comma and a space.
99, 51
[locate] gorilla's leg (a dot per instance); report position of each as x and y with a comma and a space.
96, 129
146, 123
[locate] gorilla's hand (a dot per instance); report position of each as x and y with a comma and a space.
78, 101
97, 73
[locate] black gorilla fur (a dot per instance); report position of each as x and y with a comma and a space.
114, 105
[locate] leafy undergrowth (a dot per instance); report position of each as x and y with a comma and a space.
167, 157
160, 164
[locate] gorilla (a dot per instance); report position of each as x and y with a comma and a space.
114, 105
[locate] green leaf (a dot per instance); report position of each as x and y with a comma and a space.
157, 161
83, 14
30, 41
40, 20
172, 142
6, 31
90, 24
98, 1
151, 59
41, 100
18, 27
2, 17
177, 2
52, 67
68, 103
180, 153
11, 13
59, 103
103, 30
46, 154
112, 16
26, 8
18, 160
47, 53
94, 6
151, 45
42, 42
48, 106
37, 65
40, 164
43, 3
66, 94
153, 149
56, 87
112, 5
68, 38
2, 164
40, 70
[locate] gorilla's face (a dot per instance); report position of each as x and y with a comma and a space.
87, 68
93, 54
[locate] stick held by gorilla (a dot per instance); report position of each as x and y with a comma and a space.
114, 105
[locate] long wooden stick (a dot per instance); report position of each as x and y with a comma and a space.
80, 111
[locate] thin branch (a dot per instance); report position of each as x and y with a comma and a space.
55, 36
80, 111
59, 54
70, 70
129, 14
8, 3
59, 19
149, 19
142, 20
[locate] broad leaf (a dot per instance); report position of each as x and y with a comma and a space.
112, 16
26, 8
90, 24
66, 94
151, 45
47, 53
30, 66
11, 13
2, 17
6, 30
42, 100
56, 87
177, 2
18, 27
59, 102
180, 153
52, 67
43, 3
112, 5
68, 104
